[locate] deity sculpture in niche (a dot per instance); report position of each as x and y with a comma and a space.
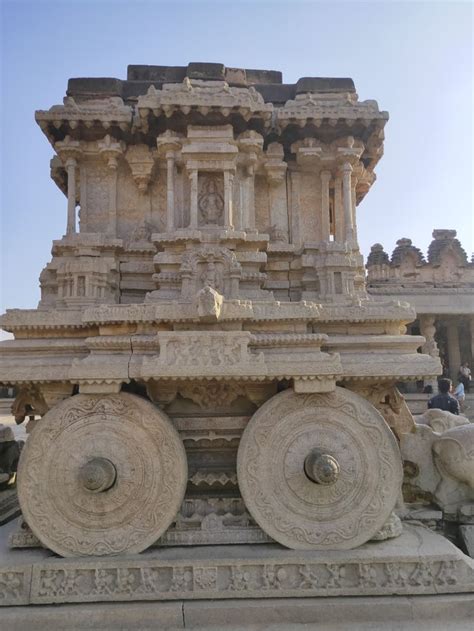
211, 199
212, 275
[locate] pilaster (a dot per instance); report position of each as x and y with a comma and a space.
347, 201
111, 150
325, 219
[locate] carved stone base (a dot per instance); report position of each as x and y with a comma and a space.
417, 562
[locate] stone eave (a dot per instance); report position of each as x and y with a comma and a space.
95, 118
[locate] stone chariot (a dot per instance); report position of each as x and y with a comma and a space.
205, 365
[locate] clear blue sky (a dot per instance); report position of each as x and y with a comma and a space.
414, 58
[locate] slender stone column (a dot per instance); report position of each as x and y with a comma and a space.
325, 223
71, 195
193, 223
83, 219
113, 196
279, 207
111, 150
454, 353
347, 201
228, 189
338, 211
428, 330
353, 201
170, 191
249, 215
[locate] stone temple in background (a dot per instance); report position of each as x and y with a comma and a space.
440, 287
208, 381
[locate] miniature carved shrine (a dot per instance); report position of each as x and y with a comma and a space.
205, 364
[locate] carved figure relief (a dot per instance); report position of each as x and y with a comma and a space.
442, 452
211, 199
210, 266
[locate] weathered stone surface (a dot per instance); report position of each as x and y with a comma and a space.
340, 500
405, 613
102, 475
418, 562
214, 263
439, 460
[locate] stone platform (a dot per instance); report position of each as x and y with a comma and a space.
376, 613
418, 581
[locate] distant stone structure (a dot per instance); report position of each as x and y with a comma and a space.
440, 288
205, 360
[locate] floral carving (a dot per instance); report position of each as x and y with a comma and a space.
182, 579
205, 578
137, 441
212, 393
286, 503
240, 579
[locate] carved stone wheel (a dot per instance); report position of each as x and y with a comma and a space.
102, 475
319, 471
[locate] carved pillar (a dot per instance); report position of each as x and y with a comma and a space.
325, 223
248, 220
69, 152
295, 183
428, 330
454, 354
228, 191
71, 164
278, 206
353, 214
193, 176
110, 151
338, 211
113, 196
276, 167
347, 201
83, 219
170, 164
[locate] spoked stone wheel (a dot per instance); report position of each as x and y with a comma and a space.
102, 475
319, 471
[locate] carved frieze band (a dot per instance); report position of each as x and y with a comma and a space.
206, 353
150, 580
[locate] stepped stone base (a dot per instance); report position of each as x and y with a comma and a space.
419, 562
375, 613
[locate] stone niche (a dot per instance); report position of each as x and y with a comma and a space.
210, 199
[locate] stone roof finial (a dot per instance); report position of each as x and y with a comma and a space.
377, 256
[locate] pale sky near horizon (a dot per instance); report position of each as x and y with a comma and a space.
414, 58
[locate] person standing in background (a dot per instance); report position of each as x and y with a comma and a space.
443, 400
465, 376
459, 394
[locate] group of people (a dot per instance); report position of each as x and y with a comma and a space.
454, 402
